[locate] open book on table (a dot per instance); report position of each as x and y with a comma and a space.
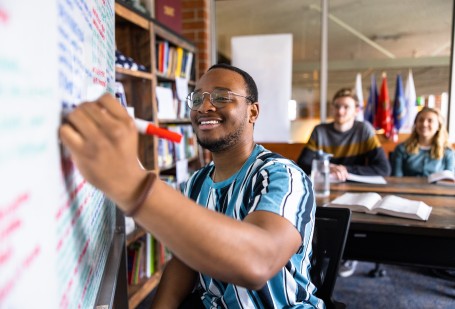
360, 178
392, 205
445, 177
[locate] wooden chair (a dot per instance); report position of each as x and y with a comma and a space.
330, 234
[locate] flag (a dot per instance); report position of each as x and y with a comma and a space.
370, 109
399, 106
383, 118
359, 93
410, 98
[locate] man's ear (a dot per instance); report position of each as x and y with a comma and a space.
357, 109
254, 112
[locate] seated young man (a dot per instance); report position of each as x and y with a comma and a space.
353, 144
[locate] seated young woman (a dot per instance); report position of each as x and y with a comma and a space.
427, 150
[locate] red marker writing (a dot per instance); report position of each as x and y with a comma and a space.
148, 128
143, 126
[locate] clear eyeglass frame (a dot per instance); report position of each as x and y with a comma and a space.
218, 98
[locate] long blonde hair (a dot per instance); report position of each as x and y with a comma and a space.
440, 140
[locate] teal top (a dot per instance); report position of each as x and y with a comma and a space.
420, 164
266, 182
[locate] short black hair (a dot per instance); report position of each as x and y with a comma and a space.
251, 88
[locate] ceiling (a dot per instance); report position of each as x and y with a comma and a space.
364, 36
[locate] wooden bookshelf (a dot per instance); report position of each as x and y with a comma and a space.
137, 293
136, 38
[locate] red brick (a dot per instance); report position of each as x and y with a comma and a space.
189, 15
196, 28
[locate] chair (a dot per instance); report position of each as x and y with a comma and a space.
329, 239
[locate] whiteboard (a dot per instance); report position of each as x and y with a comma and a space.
55, 228
268, 59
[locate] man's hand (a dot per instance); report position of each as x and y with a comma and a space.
103, 140
339, 172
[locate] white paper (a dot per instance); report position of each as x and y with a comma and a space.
166, 106
366, 179
181, 85
441, 175
359, 178
181, 171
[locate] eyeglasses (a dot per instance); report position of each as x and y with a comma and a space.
341, 106
218, 98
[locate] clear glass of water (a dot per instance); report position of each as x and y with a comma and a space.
320, 176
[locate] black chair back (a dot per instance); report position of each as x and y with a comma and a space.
329, 239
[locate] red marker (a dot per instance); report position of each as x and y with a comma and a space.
148, 128
144, 127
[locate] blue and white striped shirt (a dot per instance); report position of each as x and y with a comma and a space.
265, 182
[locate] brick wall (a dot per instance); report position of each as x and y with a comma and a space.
196, 28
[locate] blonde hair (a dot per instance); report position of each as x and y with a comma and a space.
440, 140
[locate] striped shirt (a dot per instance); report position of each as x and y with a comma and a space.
271, 183
357, 148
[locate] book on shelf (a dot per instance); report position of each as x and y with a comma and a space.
178, 66
360, 178
169, 62
173, 61
181, 171
141, 259
135, 262
162, 56
444, 177
165, 153
179, 149
171, 99
188, 65
166, 103
181, 92
169, 153
150, 255
169, 13
392, 205
120, 94
164, 254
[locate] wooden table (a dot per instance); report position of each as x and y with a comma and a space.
398, 185
387, 239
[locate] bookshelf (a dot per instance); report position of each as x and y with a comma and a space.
175, 70
140, 39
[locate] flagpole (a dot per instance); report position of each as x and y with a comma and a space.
359, 93
323, 73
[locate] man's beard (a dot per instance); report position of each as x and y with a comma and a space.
223, 143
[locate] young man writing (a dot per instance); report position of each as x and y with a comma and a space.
248, 242
353, 144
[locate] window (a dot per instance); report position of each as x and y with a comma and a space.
366, 37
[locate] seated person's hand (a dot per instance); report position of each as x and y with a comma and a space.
339, 172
